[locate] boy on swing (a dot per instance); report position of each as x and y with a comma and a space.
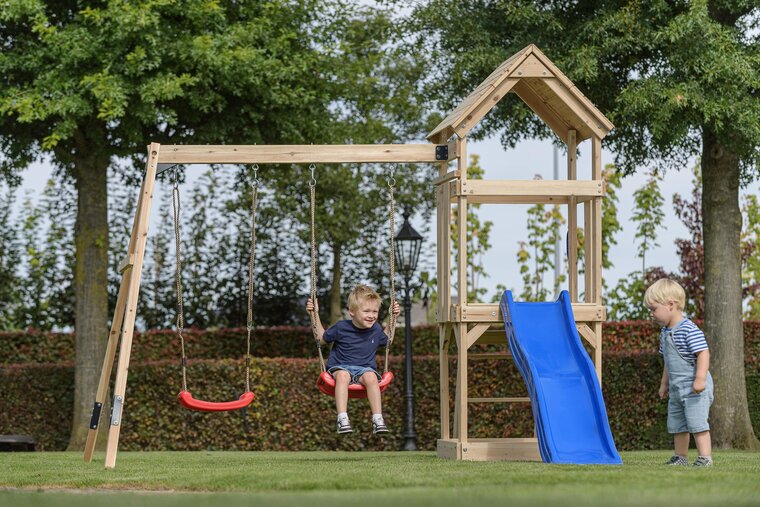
352, 358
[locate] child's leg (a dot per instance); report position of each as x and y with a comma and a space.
681, 441
369, 379
342, 379
704, 443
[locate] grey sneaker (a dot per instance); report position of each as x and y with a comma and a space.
344, 426
678, 461
379, 428
703, 462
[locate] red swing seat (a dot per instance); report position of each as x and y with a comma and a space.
186, 400
326, 384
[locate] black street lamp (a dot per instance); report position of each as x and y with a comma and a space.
408, 243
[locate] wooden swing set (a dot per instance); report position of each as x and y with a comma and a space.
552, 96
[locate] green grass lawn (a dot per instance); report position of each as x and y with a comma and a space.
367, 479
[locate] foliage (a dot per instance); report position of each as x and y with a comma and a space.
648, 216
35, 346
37, 401
751, 256
544, 228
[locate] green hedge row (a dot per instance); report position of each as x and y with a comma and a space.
296, 342
290, 414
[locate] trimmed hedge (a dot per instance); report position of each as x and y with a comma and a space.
290, 414
296, 342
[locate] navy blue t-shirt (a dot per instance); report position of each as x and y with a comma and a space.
354, 346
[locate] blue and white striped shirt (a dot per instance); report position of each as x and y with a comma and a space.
689, 339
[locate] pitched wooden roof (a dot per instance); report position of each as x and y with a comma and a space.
542, 86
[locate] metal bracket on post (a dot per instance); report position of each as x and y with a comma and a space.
442, 152
118, 402
95, 419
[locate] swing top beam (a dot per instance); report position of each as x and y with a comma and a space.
306, 153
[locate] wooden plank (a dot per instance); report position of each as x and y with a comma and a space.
443, 360
598, 351
571, 86
572, 220
462, 224
297, 154
596, 171
449, 449
448, 125
476, 332
558, 125
506, 449
578, 107
126, 263
588, 334
532, 67
484, 105
554, 191
457, 383
461, 412
490, 312
113, 337
514, 399
588, 252
451, 175
143, 218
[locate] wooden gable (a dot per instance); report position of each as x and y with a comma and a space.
542, 86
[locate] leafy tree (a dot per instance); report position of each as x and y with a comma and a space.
677, 79
85, 83
544, 228
10, 259
648, 216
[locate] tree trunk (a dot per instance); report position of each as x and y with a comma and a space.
729, 417
336, 305
91, 288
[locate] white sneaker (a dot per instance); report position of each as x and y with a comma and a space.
344, 426
379, 427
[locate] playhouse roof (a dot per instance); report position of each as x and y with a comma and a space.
542, 86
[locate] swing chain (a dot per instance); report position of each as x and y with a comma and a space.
392, 263
177, 249
313, 271
249, 318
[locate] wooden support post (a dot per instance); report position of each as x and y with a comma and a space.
443, 351
460, 422
588, 251
133, 290
113, 337
572, 220
596, 173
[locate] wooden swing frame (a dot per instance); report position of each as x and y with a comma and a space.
550, 94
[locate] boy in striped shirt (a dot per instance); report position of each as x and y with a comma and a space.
686, 379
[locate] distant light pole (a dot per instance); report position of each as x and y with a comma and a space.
408, 244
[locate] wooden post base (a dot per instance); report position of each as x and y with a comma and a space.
490, 449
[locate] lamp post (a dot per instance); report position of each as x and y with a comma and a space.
408, 243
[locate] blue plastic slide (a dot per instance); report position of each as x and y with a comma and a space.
568, 408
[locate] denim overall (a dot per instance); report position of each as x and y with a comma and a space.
687, 410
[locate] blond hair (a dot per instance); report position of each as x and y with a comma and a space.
361, 293
665, 290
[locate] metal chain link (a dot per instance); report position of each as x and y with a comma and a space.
180, 309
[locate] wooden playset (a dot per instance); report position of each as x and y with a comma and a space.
549, 93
